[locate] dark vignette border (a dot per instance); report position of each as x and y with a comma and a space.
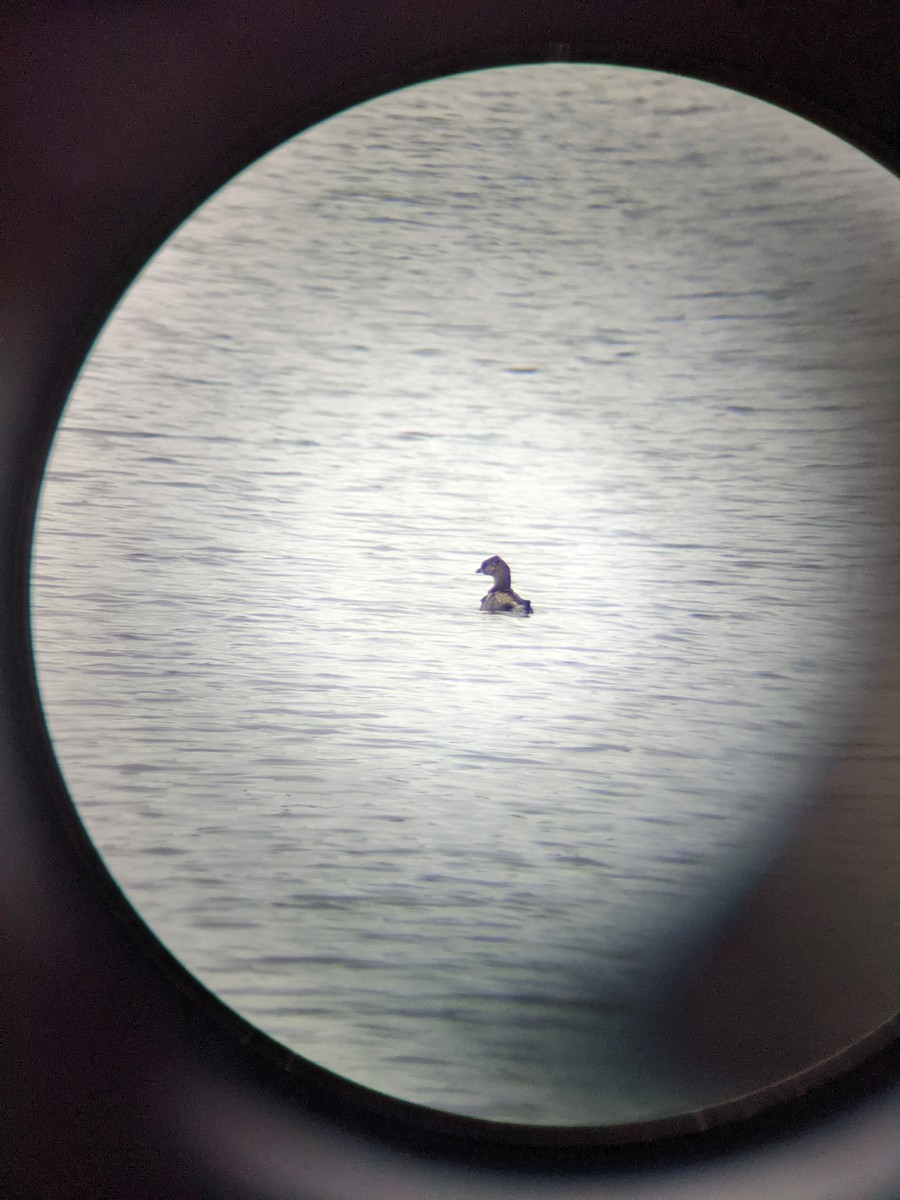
104, 1026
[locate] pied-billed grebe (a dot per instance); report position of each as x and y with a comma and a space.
501, 597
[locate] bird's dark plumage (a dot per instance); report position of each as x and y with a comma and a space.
501, 598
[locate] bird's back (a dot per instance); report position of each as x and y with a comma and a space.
505, 601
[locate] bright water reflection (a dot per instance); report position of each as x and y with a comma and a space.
631, 332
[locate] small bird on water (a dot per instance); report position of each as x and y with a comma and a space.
501, 598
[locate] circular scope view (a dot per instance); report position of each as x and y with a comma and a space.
631, 335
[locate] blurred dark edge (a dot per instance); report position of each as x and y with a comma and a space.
118, 1070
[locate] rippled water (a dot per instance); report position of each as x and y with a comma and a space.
635, 334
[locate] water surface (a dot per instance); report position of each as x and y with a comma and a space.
635, 334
